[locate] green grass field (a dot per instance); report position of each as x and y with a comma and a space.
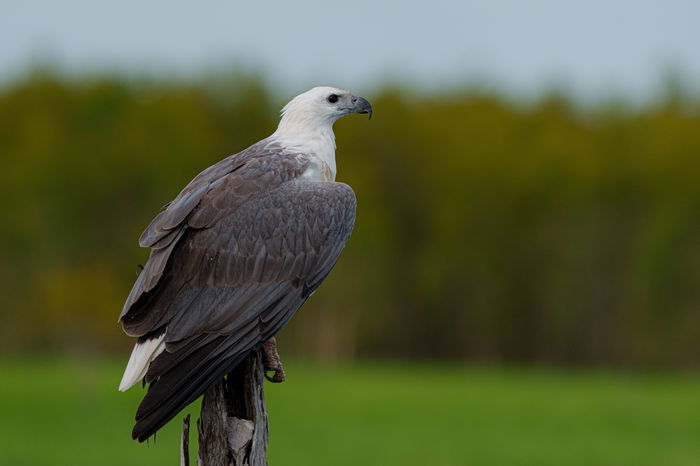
63, 412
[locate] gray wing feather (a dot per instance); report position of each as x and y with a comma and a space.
218, 190
278, 243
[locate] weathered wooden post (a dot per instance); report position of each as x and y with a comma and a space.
233, 427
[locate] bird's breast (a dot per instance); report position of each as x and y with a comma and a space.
318, 170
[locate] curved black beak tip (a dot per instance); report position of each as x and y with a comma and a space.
362, 106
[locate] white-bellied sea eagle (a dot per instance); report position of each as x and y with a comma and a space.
235, 255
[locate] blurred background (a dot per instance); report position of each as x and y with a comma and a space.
522, 283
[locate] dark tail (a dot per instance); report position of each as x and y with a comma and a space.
182, 383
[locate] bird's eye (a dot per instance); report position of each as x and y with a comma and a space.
333, 98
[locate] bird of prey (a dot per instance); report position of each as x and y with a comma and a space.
235, 255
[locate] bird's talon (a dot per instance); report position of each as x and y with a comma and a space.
271, 361
278, 377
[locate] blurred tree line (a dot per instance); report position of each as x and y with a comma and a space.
486, 230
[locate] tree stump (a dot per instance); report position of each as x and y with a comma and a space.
233, 427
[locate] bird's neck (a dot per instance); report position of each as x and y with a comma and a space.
313, 137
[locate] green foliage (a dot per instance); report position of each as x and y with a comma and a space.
373, 414
485, 231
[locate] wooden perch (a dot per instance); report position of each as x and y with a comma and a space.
185, 442
233, 426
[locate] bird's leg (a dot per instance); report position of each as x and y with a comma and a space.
272, 361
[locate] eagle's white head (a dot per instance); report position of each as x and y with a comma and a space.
322, 106
307, 125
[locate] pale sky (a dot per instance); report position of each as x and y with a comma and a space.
592, 47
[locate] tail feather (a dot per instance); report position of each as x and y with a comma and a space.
165, 410
180, 384
141, 356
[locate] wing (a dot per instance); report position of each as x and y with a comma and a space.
238, 266
218, 189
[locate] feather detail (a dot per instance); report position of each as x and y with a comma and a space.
140, 360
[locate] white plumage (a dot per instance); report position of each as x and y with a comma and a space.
307, 126
141, 357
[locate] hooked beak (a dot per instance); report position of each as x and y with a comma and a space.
361, 105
